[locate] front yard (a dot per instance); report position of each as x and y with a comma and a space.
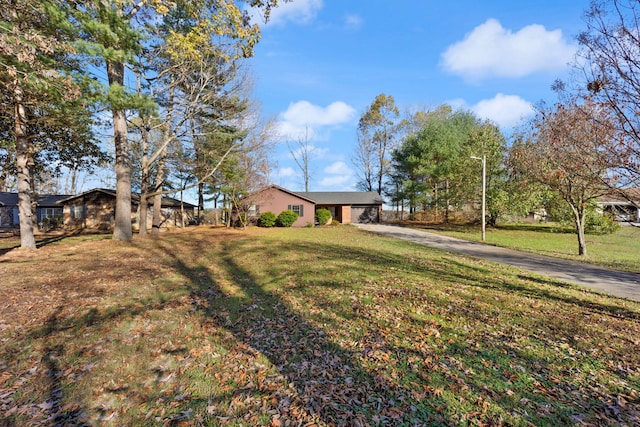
323, 326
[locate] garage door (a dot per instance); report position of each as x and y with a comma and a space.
365, 214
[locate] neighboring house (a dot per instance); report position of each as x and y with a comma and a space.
95, 209
48, 209
624, 207
345, 206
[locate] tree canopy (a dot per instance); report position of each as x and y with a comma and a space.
434, 164
568, 150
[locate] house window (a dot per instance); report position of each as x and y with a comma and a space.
253, 210
49, 213
78, 211
299, 209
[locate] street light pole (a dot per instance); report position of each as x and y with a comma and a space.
484, 193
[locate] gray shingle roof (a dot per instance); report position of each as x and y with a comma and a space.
343, 197
11, 199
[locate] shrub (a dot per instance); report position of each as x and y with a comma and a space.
286, 218
267, 219
596, 221
335, 222
600, 223
323, 216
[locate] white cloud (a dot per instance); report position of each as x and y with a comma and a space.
296, 131
298, 12
353, 22
305, 112
285, 172
339, 167
335, 181
491, 50
338, 176
303, 119
505, 110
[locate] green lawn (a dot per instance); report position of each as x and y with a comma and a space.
312, 326
620, 250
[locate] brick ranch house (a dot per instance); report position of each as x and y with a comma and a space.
345, 206
93, 209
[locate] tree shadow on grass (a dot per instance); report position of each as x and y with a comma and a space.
335, 383
330, 384
51, 409
46, 239
324, 381
456, 270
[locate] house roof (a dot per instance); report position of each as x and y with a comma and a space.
106, 191
8, 199
167, 202
170, 202
330, 197
49, 200
621, 196
343, 197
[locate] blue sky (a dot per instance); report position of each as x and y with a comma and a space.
321, 63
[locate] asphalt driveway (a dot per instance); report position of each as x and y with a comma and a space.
621, 284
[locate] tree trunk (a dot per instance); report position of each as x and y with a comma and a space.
181, 209
579, 216
446, 201
71, 181
157, 199
200, 201
144, 184
144, 212
161, 156
582, 242
435, 198
122, 229
24, 153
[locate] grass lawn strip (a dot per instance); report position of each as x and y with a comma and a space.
618, 250
324, 326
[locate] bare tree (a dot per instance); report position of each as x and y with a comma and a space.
609, 72
301, 153
364, 161
377, 129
